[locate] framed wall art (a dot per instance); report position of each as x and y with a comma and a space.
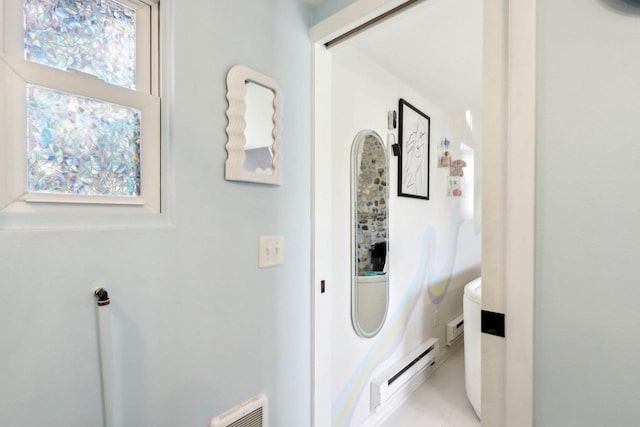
413, 160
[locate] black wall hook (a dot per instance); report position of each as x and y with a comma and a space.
102, 296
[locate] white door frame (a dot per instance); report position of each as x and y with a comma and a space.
508, 204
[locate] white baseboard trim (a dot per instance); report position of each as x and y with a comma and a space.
384, 412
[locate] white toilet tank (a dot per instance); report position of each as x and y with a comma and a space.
472, 330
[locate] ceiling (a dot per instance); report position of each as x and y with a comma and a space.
435, 47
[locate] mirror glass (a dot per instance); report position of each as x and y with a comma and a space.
370, 233
259, 129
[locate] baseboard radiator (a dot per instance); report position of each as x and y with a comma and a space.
386, 385
455, 329
252, 413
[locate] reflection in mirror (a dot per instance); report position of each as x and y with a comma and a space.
259, 129
254, 113
370, 233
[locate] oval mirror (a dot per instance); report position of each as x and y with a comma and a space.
370, 233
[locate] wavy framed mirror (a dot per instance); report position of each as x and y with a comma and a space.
369, 233
254, 114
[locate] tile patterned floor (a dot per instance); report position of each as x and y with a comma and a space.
440, 402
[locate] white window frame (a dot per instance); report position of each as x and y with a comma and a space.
16, 73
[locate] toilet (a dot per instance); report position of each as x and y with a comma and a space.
472, 331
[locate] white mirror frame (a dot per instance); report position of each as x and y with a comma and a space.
237, 77
358, 282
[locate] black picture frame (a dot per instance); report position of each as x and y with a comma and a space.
414, 137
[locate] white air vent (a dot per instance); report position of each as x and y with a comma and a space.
252, 413
399, 376
455, 329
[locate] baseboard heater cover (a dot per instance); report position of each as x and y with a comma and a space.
252, 413
399, 375
455, 329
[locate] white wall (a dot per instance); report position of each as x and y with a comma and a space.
197, 327
420, 236
588, 143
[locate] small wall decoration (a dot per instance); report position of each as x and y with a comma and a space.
413, 161
456, 167
444, 153
456, 185
456, 180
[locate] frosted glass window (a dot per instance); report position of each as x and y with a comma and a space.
81, 146
93, 36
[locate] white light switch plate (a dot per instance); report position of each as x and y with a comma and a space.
271, 251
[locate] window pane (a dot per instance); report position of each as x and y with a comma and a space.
93, 36
81, 146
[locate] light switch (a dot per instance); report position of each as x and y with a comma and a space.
271, 251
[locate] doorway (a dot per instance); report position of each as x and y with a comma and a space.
501, 360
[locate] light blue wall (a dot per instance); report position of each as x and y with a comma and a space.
328, 8
588, 145
197, 327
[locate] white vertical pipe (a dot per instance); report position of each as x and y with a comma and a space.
104, 341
